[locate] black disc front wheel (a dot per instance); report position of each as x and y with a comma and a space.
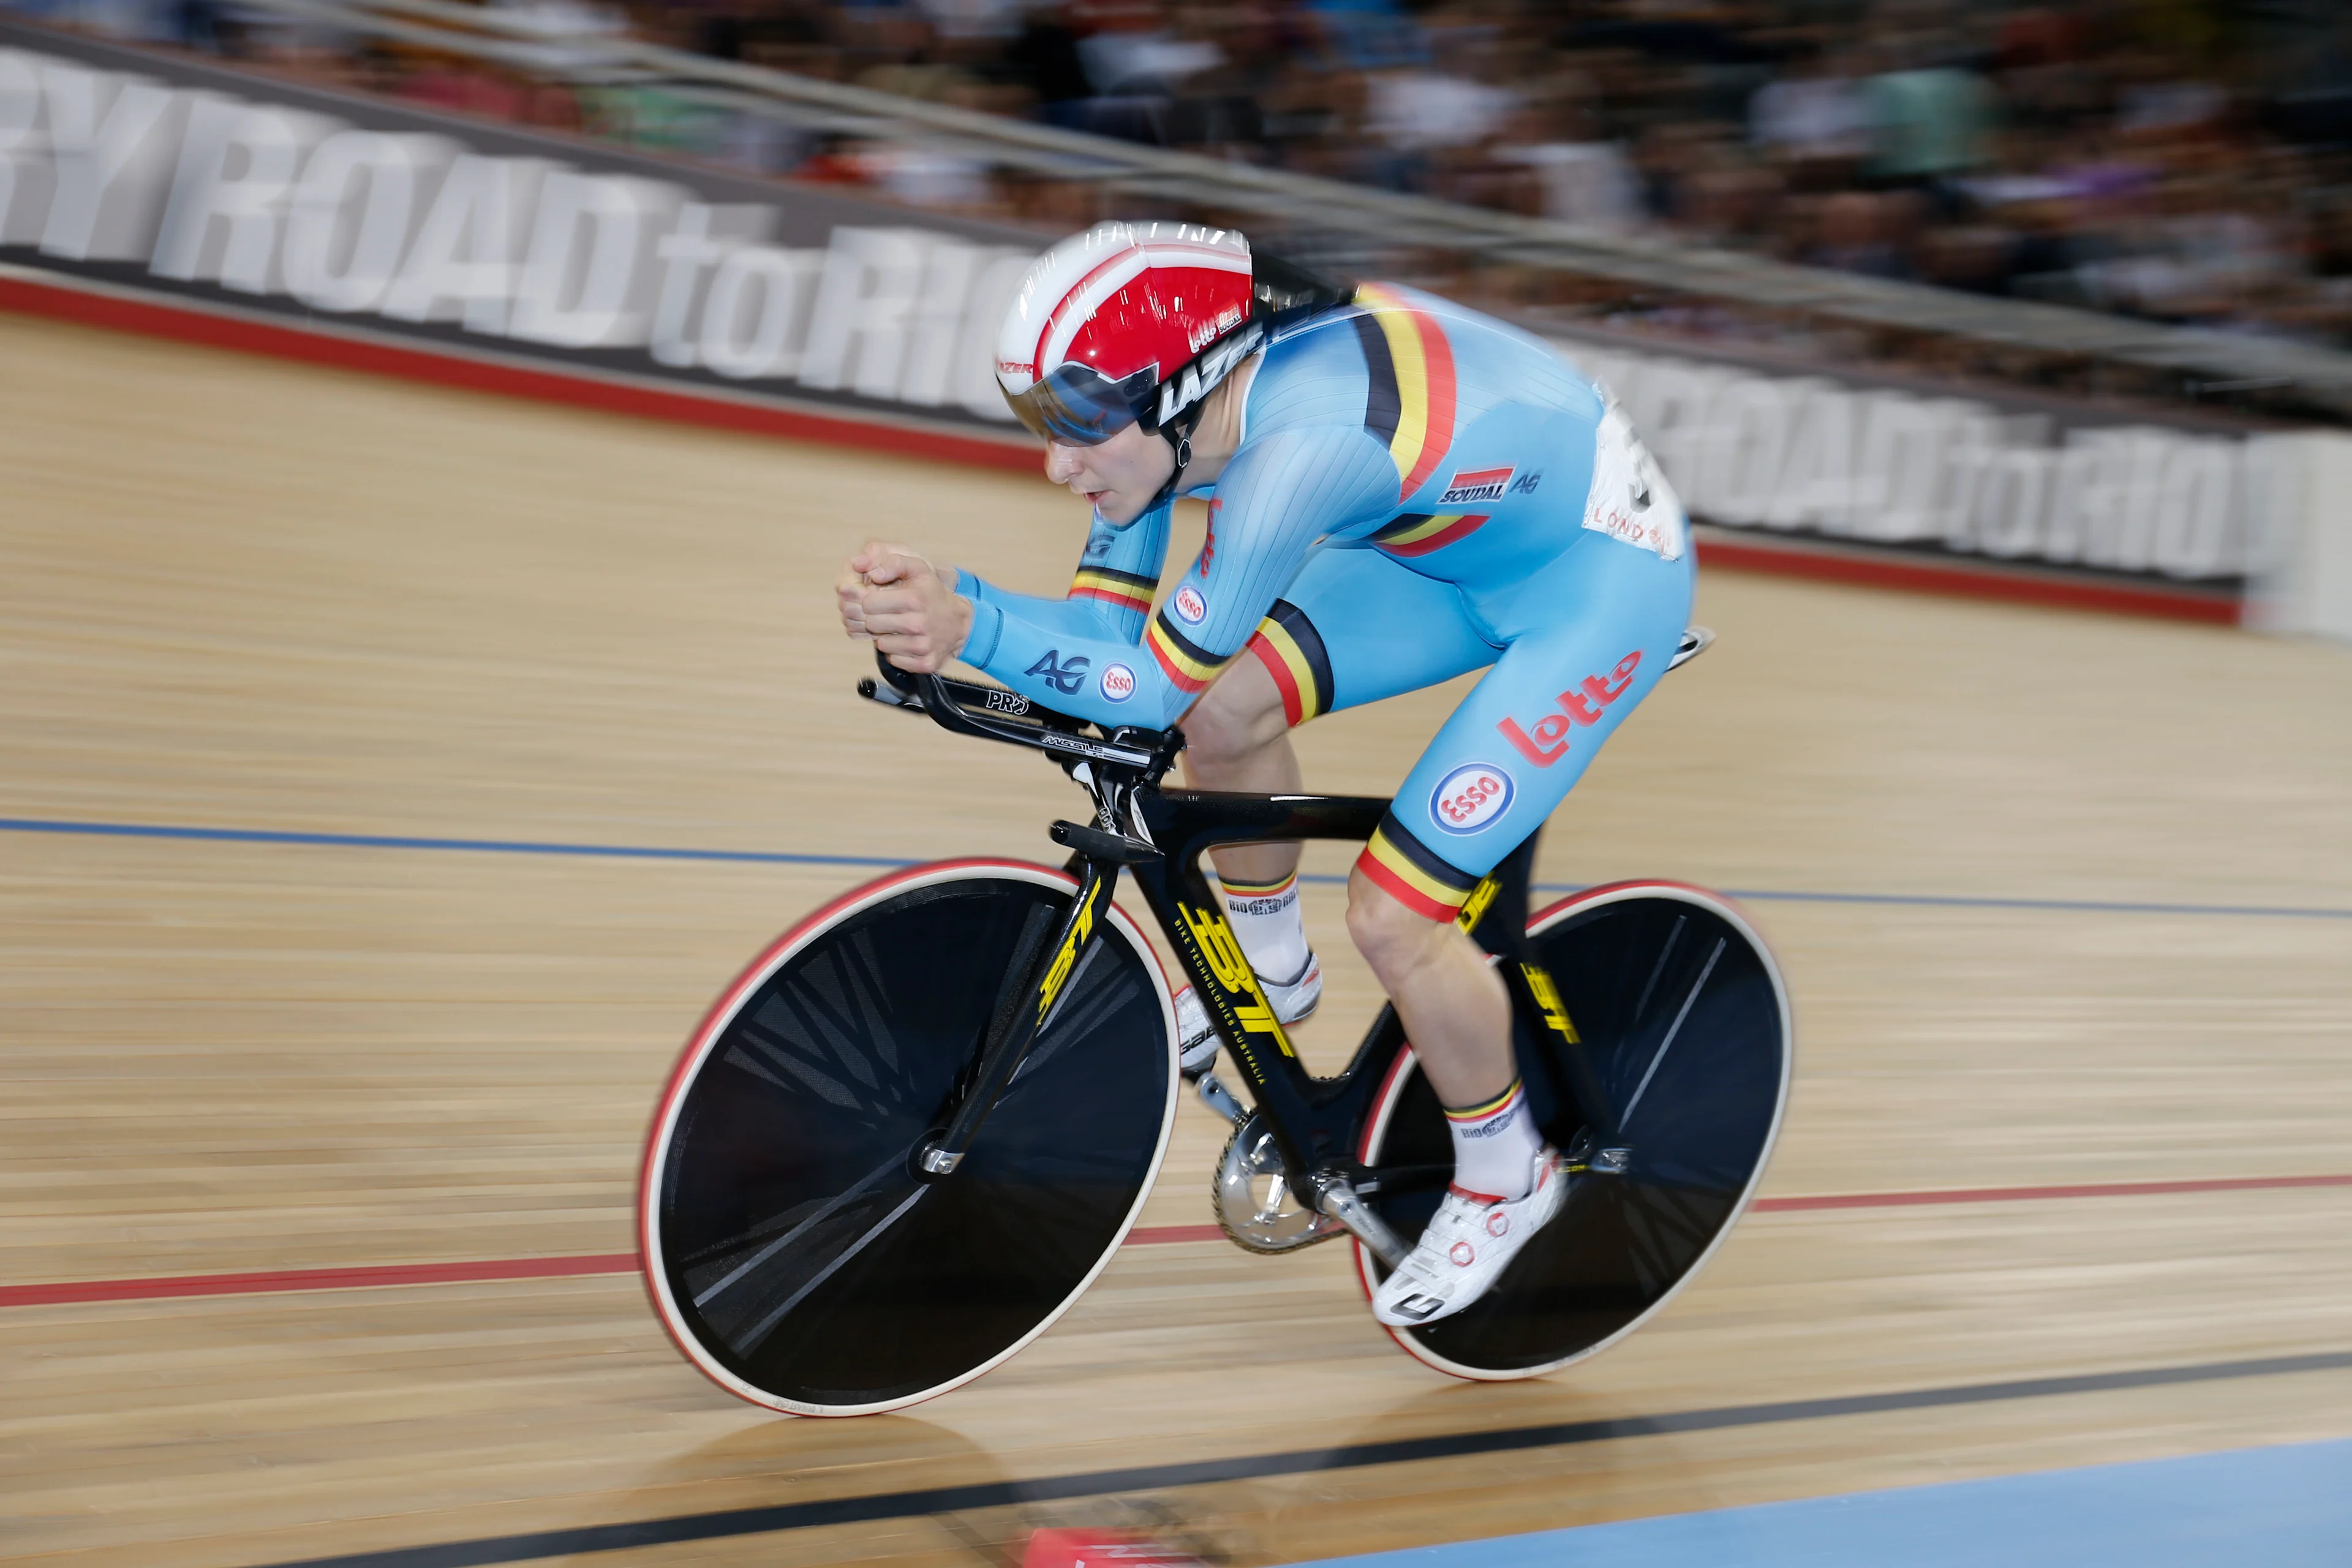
1684, 1047
792, 1249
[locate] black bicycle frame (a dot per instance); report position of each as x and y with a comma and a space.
1161, 837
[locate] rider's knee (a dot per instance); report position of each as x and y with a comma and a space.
1393, 938
1235, 718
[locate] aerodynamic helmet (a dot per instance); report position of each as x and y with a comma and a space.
1126, 324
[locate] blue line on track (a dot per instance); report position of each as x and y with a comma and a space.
888, 862
396, 841
2282, 1507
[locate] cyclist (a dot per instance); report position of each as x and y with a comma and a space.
1399, 490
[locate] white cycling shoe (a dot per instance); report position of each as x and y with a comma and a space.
1197, 1038
1466, 1247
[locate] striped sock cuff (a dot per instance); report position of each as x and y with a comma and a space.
1501, 1102
1410, 871
1273, 889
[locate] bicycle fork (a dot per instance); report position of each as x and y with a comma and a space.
1039, 977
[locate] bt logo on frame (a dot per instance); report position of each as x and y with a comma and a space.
1581, 705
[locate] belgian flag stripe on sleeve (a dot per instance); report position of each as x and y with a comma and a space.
1421, 368
1128, 590
1417, 533
1189, 665
1292, 651
1409, 871
1380, 405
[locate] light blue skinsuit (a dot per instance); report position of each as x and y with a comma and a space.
1420, 491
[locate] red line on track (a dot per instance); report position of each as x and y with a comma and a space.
278, 1281
2032, 1194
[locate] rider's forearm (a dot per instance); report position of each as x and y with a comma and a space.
1077, 616
1108, 680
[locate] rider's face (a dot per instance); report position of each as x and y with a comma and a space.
1119, 476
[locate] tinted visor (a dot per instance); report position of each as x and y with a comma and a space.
1080, 406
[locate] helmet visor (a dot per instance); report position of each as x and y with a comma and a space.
1080, 406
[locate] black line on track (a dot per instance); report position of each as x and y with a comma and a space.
681, 1528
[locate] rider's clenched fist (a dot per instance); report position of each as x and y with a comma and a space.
895, 597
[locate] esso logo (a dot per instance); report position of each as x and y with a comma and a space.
1470, 797
1190, 608
1117, 683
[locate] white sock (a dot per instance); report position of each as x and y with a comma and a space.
1496, 1144
1273, 931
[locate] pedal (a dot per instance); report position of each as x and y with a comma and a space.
1337, 1200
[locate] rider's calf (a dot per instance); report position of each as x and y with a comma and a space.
1454, 1005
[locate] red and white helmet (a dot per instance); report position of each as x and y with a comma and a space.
1125, 322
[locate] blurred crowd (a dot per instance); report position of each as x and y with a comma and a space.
2183, 161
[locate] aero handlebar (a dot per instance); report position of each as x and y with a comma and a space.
992, 713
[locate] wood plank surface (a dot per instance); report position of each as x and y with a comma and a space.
237, 594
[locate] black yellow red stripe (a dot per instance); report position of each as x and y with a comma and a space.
1411, 406
1273, 889
1403, 866
1128, 590
1480, 1112
1420, 533
1189, 665
1287, 644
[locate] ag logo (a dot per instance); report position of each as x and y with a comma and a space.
1525, 485
1470, 797
1117, 683
1189, 607
1065, 678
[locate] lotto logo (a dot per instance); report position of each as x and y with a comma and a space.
1468, 799
1190, 608
1117, 683
1480, 484
1582, 705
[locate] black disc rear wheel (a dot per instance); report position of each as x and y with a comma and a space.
791, 1249
1684, 1030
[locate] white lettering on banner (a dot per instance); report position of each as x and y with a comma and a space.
237, 167
112, 139
27, 169
701, 237
586, 283
758, 309
360, 199
973, 385
1802, 452
864, 301
461, 265
267, 199
948, 269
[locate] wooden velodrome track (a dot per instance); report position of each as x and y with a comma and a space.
242, 596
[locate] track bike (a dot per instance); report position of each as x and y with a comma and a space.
913, 1131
